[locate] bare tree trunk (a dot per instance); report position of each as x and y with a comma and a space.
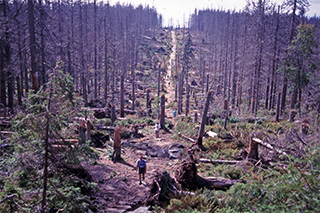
82, 133
278, 107
147, 99
32, 44
267, 94
207, 88
117, 144
83, 78
180, 95
253, 153
113, 114
162, 112
225, 108
285, 79
42, 71
272, 86
133, 89
159, 76
203, 120
187, 99
122, 96
95, 51
106, 61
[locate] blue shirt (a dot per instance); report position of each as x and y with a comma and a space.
141, 163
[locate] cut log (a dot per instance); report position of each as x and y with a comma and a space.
203, 160
269, 146
188, 138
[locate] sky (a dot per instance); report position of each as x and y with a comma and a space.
176, 12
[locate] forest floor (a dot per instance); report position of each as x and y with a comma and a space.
118, 183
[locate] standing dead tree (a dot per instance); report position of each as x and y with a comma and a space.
203, 121
162, 112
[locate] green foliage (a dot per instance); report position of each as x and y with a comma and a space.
202, 201
295, 190
24, 165
301, 63
185, 127
233, 119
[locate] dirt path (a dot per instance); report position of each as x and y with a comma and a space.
118, 183
170, 88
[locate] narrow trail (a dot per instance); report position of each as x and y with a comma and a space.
118, 183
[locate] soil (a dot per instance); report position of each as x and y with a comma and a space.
118, 183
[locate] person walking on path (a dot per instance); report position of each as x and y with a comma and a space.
142, 166
157, 129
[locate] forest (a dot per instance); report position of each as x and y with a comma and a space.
84, 85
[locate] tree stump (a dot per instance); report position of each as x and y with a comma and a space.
82, 132
89, 125
292, 115
187, 177
253, 153
117, 144
113, 114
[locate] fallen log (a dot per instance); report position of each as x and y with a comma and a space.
101, 127
127, 111
6, 133
188, 138
4, 123
203, 160
269, 146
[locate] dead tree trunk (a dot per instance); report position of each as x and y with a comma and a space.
113, 114
89, 125
122, 96
147, 99
159, 77
278, 107
225, 108
253, 153
187, 100
133, 89
82, 133
203, 121
117, 144
162, 112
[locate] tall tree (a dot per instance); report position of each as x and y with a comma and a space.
300, 5
301, 61
32, 46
